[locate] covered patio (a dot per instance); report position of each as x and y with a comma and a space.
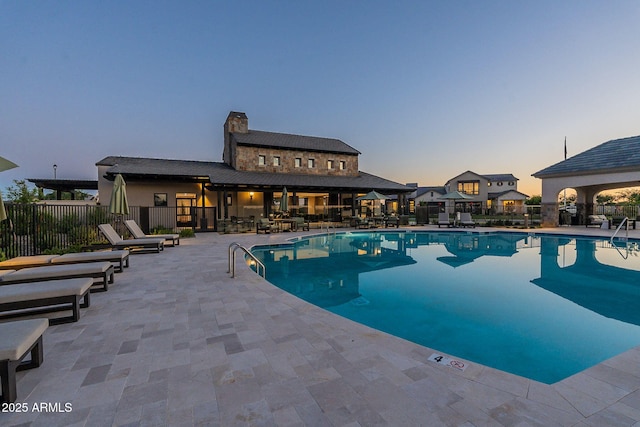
612, 165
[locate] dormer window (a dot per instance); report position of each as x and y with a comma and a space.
297, 162
276, 161
262, 160
311, 163
330, 164
343, 165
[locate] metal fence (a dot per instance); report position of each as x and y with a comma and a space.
35, 229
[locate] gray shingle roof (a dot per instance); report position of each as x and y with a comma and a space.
293, 142
618, 154
505, 177
221, 174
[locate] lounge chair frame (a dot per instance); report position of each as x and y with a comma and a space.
137, 233
9, 367
117, 243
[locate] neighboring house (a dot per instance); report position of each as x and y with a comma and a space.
491, 193
321, 176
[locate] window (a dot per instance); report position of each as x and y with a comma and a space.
489, 184
276, 160
343, 165
160, 199
511, 183
469, 187
329, 164
262, 160
500, 184
311, 163
298, 162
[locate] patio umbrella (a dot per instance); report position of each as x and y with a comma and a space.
3, 213
284, 201
6, 164
118, 204
455, 195
373, 196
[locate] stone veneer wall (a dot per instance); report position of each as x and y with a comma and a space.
247, 160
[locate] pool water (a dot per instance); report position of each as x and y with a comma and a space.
544, 307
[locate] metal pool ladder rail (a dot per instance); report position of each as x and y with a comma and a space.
232, 260
623, 222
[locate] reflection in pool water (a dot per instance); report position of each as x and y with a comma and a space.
506, 300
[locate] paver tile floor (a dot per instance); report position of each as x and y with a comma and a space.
176, 341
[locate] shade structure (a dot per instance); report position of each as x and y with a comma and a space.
3, 213
119, 204
6, 164
284, 201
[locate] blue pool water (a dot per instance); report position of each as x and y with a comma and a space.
543, 307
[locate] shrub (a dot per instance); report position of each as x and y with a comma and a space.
187, 232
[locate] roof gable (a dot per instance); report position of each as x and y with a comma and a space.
617, 154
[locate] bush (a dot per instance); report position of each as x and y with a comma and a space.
161, 230
187, 232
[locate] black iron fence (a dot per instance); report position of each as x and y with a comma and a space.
35, 229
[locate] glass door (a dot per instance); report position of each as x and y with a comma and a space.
185, 209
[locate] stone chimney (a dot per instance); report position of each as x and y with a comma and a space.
236, 123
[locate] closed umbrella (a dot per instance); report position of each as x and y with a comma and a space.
4, 165
284, 201
119, 205
3, 213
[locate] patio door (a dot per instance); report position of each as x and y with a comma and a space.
185, 209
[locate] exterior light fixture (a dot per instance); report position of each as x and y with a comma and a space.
251, 195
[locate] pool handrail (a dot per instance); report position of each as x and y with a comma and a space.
232, 260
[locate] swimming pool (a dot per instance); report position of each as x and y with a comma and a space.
540, 306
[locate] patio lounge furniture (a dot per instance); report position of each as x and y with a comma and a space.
117, 242
617, 220
137, 232
300, 223
101, 270
46, 297
20, 262
596, 220
443, 219
119, 257
364, 223
265, 226
392, 221
20, 338
466, 220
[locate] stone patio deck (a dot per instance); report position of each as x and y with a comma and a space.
176, 341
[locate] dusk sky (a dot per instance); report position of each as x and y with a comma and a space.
424, 89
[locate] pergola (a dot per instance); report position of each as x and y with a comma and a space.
613, 164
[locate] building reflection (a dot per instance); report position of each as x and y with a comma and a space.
609, 290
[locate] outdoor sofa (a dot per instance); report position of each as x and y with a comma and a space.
92, 270
596, 220
46, 297
117, 242
265, 226
137, 233
20, 338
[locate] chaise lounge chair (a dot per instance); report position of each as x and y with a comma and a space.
466, 220
93, 270
19, 339
120, 258
117, 242
46, 297
443, 219
137, 233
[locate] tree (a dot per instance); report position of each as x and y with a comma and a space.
19, 192
534, 200
629, 197
605, 199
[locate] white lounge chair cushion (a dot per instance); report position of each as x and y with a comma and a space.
41, 290
5, 272
53, 271
22, 261
19, 336
137, 232
91, 256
